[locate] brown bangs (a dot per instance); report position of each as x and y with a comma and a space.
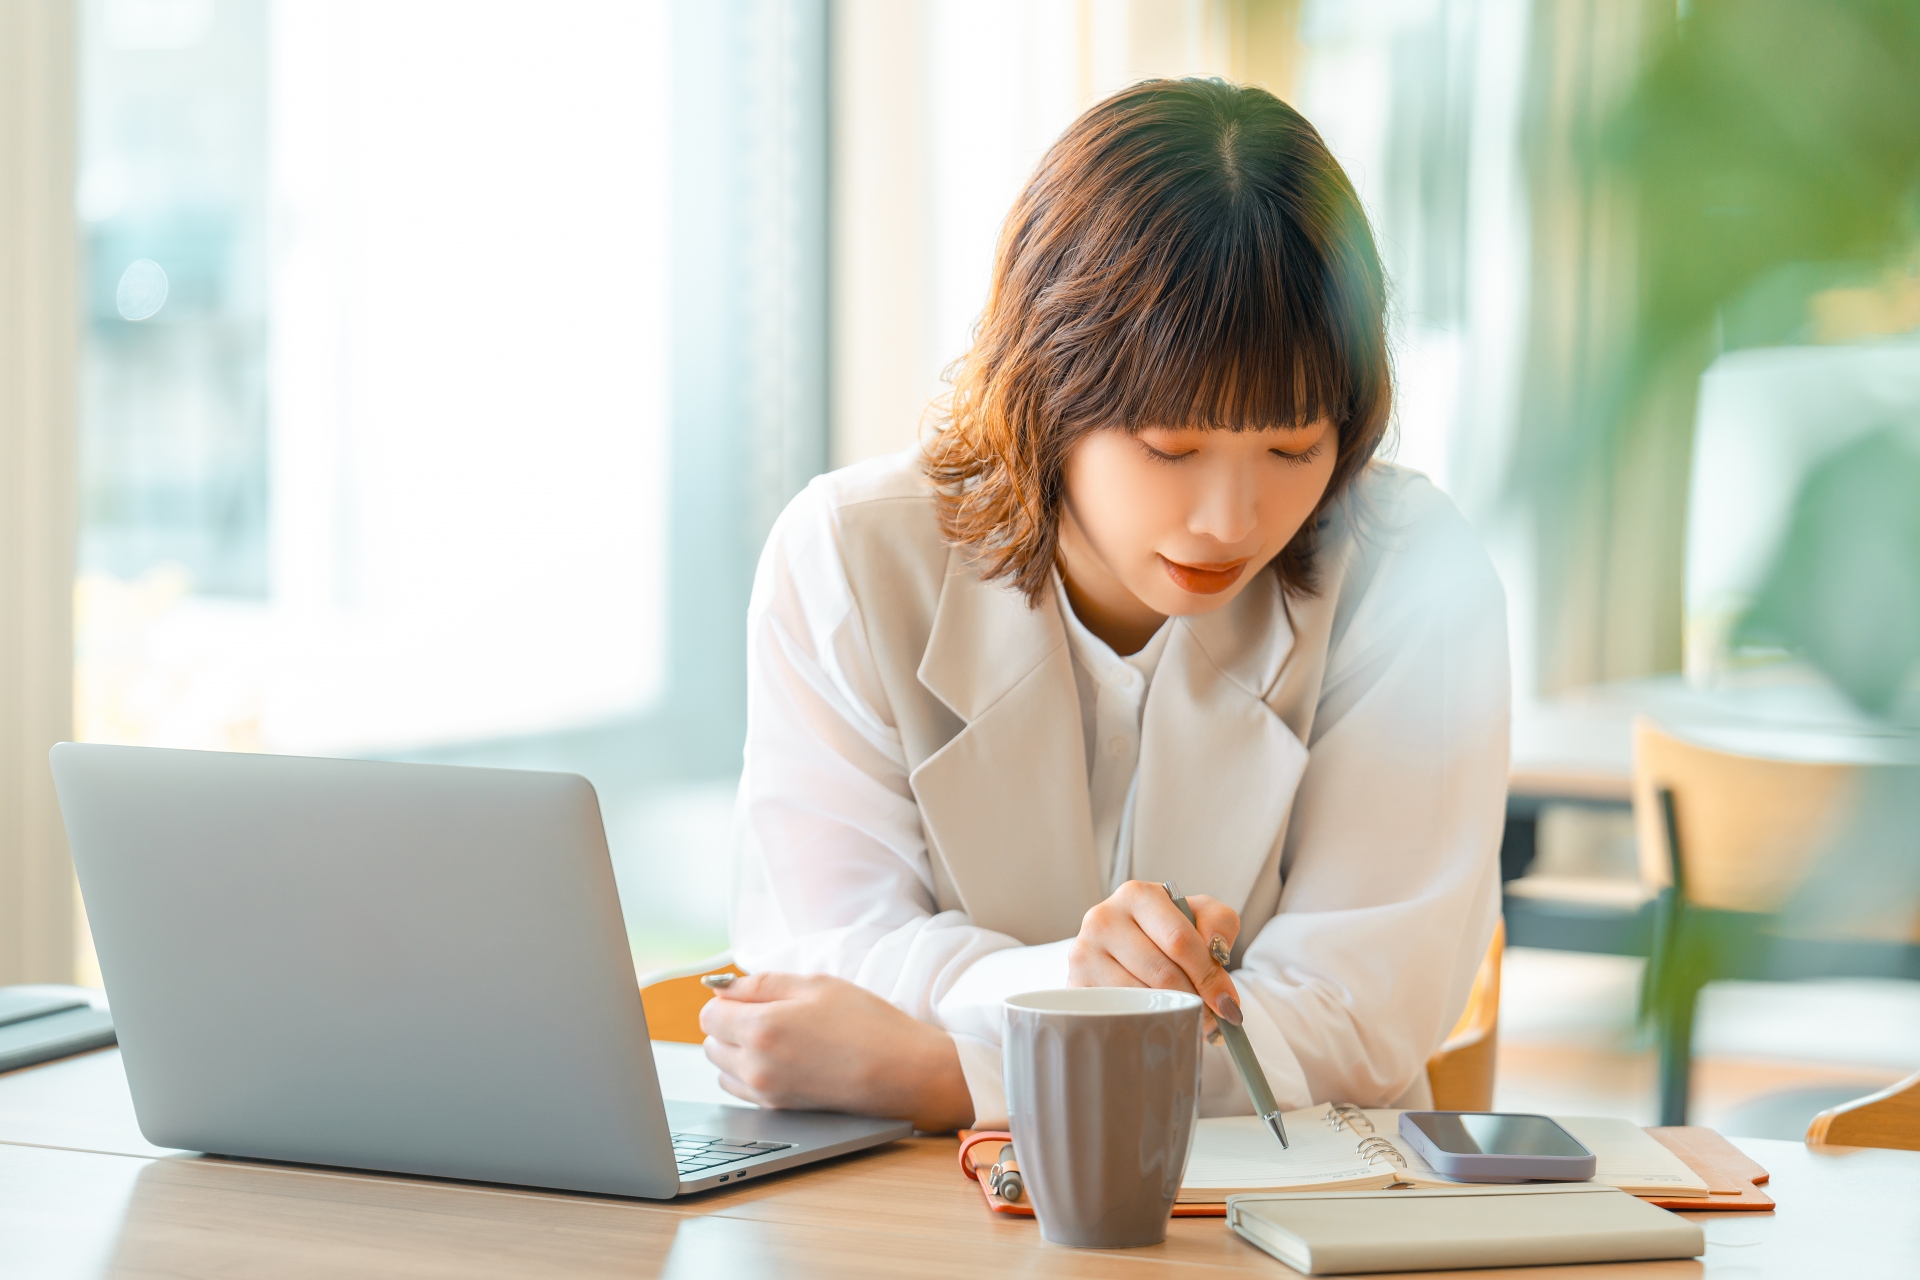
1187, 254
1195, 316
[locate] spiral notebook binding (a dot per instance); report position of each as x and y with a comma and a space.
1369, 1148
1344, 1115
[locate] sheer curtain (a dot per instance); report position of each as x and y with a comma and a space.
1609, 530
38, 359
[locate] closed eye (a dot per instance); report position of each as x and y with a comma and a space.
1160, 456
1302, 458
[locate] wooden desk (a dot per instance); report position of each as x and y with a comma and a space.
80, 1207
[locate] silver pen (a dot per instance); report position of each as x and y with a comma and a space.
1251, 1075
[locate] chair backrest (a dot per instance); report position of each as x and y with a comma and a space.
1461, 1071
1890, 1118
1749, 827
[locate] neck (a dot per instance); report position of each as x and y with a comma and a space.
1099, 599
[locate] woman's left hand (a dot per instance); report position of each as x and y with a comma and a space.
814, 1043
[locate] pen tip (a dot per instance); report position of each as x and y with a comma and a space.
1279, 1130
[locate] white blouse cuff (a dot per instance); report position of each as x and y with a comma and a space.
980, 1064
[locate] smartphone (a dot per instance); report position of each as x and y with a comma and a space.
1492, 1146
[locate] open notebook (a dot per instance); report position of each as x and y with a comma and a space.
1348, 1149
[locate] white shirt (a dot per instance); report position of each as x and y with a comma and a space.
1113, 696
1390, 870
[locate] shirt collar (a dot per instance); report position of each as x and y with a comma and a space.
1098, 657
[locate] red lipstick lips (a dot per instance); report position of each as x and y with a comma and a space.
1204, 579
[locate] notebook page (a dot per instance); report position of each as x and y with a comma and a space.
1235, 1154
1632, 1159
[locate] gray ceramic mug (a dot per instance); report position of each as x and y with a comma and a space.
1103, 1084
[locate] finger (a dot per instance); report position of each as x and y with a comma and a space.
1163, 924
751, 1073
1144, 959
1098, 969
1221, 995
757, 987
729, 1058
1090, 968
1179, 941
726, 1058
729, 1020
717, 1018
1220, 925
739, 1090
1214, 918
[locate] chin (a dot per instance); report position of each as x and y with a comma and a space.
1176, 603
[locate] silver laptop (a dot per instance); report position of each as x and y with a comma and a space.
413, 968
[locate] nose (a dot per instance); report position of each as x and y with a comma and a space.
1226, 508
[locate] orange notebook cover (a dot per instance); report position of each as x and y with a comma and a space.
979, 1149
1730, 1174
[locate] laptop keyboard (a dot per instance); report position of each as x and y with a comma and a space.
697, 1154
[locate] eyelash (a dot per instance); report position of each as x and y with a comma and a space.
1291, 459
1299, 459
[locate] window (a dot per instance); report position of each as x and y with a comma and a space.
433, 407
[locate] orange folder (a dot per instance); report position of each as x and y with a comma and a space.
979, 1149
1730, 1173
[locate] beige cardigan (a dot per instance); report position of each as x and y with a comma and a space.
877, 655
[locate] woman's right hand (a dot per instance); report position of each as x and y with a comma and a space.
1138, 938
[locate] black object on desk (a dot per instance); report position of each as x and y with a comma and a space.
39, 1023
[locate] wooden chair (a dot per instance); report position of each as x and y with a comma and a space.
1725, 839
672, 998
1461, 1071
1889, 1118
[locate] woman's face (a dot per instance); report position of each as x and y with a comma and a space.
1165, 521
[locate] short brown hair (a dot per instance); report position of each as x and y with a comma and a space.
1187, 254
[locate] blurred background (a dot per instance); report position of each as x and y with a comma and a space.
438, 370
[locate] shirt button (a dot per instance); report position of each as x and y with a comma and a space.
1117, 746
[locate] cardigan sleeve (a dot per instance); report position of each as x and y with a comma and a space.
830, 864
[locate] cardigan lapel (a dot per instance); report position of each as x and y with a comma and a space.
1004, 803
1218, 765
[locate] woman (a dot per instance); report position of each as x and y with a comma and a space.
1143, 609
